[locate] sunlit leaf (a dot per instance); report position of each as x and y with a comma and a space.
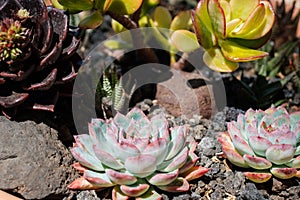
77, 4
215, 60
242, 8
162, 17
92, 21
124, 7
237, 53
204, 35
184, 40
217, 17
254, 20
182, 21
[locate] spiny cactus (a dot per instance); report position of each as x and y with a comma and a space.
266, 141
37, 55
135, 155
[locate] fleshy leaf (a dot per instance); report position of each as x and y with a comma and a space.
86, 159
242, 9
238, 53
241, 145
195, 172
234, 157
82, 184
258, 177
179, 185
255, 19
117, 194
178, 135
141, 165
107, 158
280, 153
259, 144
257, 162
77, 4
176, 162
163, 178
120, 178
151, 194
184, 40
123, 7
162, 17
100, 179
215, 60
202, 25
134, 190
182, 21
217, 17
92, 21
284, 173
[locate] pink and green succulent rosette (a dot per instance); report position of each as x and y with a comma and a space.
268, 142
230, 31
135, 155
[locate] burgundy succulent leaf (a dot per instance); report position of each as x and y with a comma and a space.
38, 56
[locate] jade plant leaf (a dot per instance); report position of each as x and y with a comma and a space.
238, 53
162, 17
184, 40
77, 4
124, 7
92, 21
216, 61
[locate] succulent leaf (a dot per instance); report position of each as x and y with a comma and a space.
272, 139
134, 190
184, 40
258, 177
120, 178
119, 151
179, 185
163, 178
284, 173
231, 31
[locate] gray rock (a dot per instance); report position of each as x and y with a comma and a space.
34, 163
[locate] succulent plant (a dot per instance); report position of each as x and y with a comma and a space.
37, 54
135, 155
96, 8
267, 141
230, 31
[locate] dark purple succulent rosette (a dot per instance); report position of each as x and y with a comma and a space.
38, 56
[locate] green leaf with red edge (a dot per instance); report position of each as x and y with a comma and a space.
238, 53
162, 17
252, 44
195, 172
252, 22
124, 7
204, 35
92, 21
77, 4
242, 8
184, 40
215, 60
217, 17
